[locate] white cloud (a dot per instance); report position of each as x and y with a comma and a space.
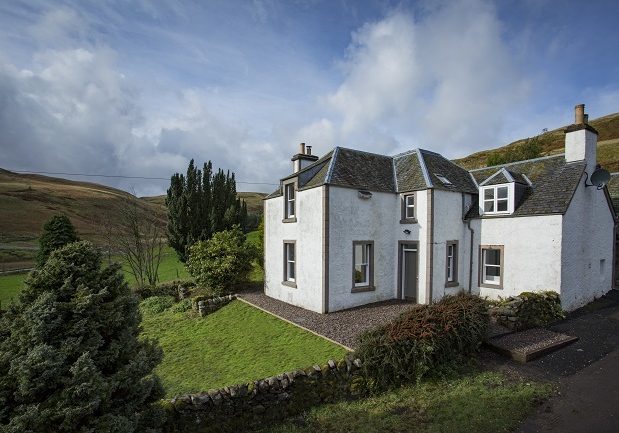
443, 80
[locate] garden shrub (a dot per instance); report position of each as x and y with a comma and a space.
169, 288
157, 304
221, 263
423, 339
181, 306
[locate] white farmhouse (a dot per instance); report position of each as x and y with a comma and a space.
352, 227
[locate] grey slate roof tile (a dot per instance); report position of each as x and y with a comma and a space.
363, 170
408, 172
458, 176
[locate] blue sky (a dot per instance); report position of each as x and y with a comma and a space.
139, 88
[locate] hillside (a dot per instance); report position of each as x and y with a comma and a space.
253, 200
28, 200
554, 141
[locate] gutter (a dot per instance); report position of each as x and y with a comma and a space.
468, 226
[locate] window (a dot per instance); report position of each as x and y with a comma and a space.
363, 263
492, 266
443, 179
289, 201
496, 199
408, 208
451, 264
289, 262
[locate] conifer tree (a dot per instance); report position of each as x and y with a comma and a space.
201, 204
57, 232
71, 359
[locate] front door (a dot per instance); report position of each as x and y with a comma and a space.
408, 273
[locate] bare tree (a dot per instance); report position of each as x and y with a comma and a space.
138, 236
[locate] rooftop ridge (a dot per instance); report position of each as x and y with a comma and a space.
331, 164
424, 169
509, 164
364, 151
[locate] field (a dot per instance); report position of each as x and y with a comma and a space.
10, 286
481, 402
236, 344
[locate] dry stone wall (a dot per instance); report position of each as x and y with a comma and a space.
255, 404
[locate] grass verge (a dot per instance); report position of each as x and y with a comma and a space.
481, 402
236, 344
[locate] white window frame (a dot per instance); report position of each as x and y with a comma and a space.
495, 200
289, 203
290, 264
368, 276
408, 206
451, 268
484, 281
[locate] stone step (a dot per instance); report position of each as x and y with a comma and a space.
527, 345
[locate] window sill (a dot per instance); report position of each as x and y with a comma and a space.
491, 286
290, 220
452, 284
408, 221
359, 289
292, 284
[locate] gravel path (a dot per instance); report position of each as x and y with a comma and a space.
341, 326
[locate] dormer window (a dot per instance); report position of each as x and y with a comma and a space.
495, 199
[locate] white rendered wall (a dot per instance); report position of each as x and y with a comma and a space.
581, 145
354, 219
587, 240
448, 226
531, 254
377, 219
308, 233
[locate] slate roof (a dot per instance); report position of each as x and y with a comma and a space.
362, 170
409, 174
553, 184
552, 180
613, 191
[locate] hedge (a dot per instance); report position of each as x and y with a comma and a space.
423, 339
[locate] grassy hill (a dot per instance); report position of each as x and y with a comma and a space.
253, 200
553, 142
28, 200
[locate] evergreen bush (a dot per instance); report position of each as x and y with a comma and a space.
221, 263
422, 339
71, 359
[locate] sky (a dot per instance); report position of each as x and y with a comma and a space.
138, 88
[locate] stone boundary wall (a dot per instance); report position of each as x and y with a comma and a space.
261, 402
527, 310
208, 305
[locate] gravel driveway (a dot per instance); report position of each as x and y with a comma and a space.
341, 326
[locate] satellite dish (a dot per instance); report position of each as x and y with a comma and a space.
600, 178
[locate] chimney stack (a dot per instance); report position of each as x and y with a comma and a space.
581, 140
580, 114
303, 158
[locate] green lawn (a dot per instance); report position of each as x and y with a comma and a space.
482, 402
10, 286
170, 268
236, 344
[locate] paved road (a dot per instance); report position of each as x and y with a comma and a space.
587, 373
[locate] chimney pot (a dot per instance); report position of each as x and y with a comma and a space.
579, 114
302, 148
586, 118
308, 150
